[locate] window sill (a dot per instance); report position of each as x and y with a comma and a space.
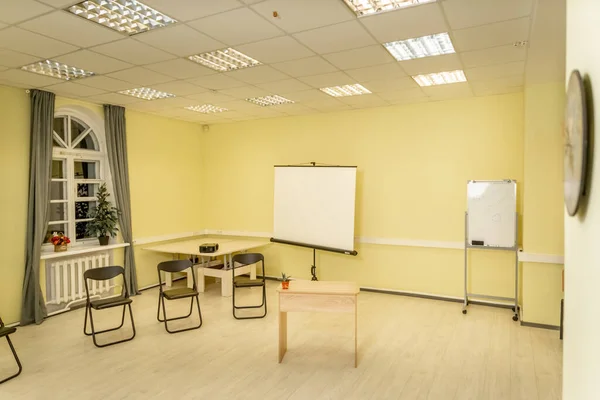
86, 248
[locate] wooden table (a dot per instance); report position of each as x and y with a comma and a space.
317, 296
226, 249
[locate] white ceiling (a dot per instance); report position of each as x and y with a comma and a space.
310, 44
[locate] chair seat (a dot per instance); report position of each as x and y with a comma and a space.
249, 283
179, 293
5, 330
110, 302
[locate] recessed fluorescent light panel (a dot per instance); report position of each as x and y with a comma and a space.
368, 7
346, 90
57, 70
147, 93
206, 109
128, 16
440, 78
225, 60
425, 46
266, 101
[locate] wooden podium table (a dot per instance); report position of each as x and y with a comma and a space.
317, 296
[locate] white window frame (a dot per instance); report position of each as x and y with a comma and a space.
70, 156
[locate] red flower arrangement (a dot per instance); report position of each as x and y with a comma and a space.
59, 239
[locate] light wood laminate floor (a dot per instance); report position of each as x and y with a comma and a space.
409, 348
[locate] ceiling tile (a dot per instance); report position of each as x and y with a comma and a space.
140, 76
330, 39
386, 85
305, 96
180, 68
491, 35
306, 66
2, 25
187, 10
296, 109
364, 101
91, 61
13, 11
284, 86
180, 39
255, 27
28, 78
132, 51
59, 3
328, 104
492, 85
260, 74
173, 102
71, 29
409, 101
468, 13
238, 105
402, 95
179, 88
217, 81
210, 98
406, 23
9, 58
31, 43
495, 71
448, 92
384, 71
74, 89
326, 80
494, 55
245, 92
301, 15
483, 91
358, 58
427, 65
113, 98
274, 50
106, 83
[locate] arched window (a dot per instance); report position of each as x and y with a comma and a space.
79, 167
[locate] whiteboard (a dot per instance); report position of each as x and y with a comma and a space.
315, 205
491, 212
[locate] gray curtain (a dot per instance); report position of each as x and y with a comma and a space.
116, 140
40, 171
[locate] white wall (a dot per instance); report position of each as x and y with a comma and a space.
581, 380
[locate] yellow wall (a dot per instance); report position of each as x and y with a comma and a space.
543, 206
164, 166
413, 165
14, 175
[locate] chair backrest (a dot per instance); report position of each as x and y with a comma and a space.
174, 265
247, 258
104, 273
1, 322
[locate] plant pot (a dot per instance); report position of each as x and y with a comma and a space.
60, 247
285, 284
103, 240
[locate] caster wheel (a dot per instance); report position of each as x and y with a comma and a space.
515, 318
464, 311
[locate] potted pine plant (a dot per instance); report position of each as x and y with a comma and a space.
285, 281
104, 218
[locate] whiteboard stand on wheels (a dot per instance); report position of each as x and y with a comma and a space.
491, 223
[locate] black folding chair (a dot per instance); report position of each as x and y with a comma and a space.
102, 274
177, 293
4, 332
243, 282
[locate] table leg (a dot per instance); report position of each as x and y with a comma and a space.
200, 275
226, 285
282, 334
355, 332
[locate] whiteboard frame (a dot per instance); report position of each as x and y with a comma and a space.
487, 246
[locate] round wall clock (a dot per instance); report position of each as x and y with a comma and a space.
576, 143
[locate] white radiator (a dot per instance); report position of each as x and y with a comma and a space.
64, 278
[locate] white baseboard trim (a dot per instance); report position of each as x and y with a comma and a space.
523, 256
541, 258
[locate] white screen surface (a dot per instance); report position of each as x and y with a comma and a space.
315, 206
491, 212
